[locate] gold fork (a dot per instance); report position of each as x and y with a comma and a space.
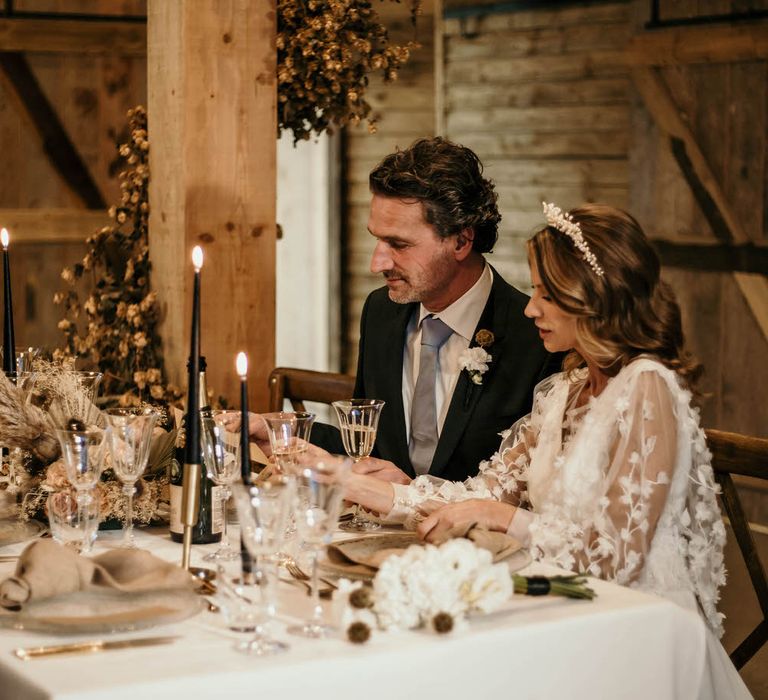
299, 575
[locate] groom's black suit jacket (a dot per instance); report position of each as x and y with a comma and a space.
477, 413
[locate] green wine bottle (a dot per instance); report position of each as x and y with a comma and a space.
210, 519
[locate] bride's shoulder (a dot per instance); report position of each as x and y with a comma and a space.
648, 371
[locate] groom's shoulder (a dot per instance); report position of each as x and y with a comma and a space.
508, 294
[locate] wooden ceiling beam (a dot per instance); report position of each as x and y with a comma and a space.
702, 44
53, 225
73, 36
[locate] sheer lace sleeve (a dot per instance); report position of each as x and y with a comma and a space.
602, 521
502, 477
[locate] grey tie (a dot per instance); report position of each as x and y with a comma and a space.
423, 441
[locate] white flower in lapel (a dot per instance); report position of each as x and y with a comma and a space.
475, 362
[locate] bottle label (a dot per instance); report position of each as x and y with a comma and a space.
217, 510
176, 525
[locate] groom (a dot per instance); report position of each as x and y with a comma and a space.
445, 343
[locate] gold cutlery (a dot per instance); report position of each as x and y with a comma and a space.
301, 576
88, 647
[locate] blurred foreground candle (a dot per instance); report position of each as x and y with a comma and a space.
9, 341
190, 500
241, 363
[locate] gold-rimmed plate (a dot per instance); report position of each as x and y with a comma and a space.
104, 611
13, 531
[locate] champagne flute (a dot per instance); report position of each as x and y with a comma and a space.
288, 437
358, 422
130, 439
221, 455
320, 494
263, 510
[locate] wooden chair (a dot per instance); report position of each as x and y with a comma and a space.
747, 456
300, 385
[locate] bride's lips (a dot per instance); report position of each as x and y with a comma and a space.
543, 332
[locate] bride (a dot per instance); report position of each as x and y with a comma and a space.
610, 473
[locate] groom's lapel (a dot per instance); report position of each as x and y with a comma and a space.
467, 393
393, 332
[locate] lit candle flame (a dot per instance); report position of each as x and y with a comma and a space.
197, 257
4, 238
242, 365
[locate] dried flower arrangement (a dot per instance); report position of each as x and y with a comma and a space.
325, 51
120, 334
29, 415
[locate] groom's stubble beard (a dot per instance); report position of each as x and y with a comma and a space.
425, 283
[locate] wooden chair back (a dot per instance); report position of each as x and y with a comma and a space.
747, 456
300, 385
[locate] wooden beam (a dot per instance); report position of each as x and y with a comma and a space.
722, 219
52, 225
709, 257
71, 36
55, 141
701, 44
213, 126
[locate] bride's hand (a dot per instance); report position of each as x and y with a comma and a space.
487, 514
382, 470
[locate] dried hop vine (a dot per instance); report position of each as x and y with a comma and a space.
115, 328
325, 51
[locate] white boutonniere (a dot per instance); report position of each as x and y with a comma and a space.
475, 362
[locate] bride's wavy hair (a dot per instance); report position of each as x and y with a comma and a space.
626, 312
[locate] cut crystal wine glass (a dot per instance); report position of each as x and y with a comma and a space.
288, 437
130, 440
82, 452
221, 456
263, 511
358, 423
320, 494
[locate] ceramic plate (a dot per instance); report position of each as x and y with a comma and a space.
103, 611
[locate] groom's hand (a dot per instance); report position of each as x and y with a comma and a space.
257, 430
382, 470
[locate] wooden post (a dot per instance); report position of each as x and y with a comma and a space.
212, 128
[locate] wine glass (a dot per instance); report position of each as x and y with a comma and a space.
358, 422
288, 437
73, 524
263, 510
82, 451
130, 439
320, 493
221, 456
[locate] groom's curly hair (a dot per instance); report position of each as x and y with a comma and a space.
447, 179
626, 312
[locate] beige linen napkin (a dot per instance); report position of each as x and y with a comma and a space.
46, 569
362, 556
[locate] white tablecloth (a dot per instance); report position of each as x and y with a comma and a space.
624, 644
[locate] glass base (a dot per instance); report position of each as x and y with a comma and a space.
263, 646
226, 553
359, 525
311, 629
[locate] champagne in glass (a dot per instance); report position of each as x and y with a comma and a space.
288, 437
358, 422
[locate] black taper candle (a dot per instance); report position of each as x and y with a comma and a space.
192, 449
245, 454
9, 340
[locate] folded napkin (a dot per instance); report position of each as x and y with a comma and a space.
46, 569
362, 556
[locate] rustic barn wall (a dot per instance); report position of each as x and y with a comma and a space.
543, 97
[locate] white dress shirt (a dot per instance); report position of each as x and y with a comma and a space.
462, 316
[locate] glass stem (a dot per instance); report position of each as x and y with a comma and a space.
128, 533
260, 578
317, 609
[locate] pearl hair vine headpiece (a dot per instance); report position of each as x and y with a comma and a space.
564, 223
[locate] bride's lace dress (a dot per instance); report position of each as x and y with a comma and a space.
621, 488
